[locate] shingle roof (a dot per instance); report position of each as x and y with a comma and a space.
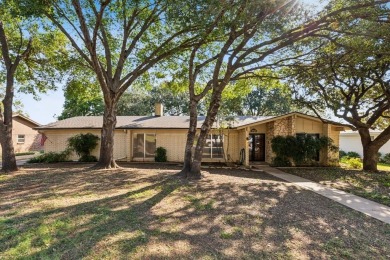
143, 122
26, 119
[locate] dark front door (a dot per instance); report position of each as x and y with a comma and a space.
257, 147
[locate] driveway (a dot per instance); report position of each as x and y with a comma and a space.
21, 160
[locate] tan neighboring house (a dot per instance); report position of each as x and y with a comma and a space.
25, 137
245, 139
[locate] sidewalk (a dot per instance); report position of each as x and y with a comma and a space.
368, 207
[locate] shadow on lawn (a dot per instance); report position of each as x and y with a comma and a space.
228, 214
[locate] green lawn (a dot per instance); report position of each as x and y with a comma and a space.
384, 167
69, 211
373, 186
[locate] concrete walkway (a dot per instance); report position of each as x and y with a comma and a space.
368, 207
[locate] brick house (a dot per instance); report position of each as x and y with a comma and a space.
245, 138
25, 137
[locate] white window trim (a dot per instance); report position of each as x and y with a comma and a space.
19, 138
211, 145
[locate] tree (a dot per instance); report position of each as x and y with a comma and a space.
82, 98
27, 64
121, 40
350, 77
249, 36
263, 96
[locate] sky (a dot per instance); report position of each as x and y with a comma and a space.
50, 105
46, 109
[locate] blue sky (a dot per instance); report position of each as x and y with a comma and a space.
50, 104
44, 110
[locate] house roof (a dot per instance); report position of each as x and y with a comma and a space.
164, 122
143, 122
26, 119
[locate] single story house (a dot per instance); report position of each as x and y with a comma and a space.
350, 142
25, 137
245, 138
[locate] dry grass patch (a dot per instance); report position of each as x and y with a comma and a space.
69, 211
370, 185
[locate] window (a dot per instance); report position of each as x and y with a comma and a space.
144, 145
21, 139
213, 147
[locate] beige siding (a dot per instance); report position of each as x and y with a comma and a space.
57, 140
232, 145
261, 129
304, 125
234, 140
32, 137
174, 141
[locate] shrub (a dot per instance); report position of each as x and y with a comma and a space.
281, 161
302, 149
161, 154
353, 155
88, 158
386, 158
342, 154
83, 144
352, 162
51, 157
355, 163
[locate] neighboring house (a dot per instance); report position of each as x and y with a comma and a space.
247, 139
24, 137
350, 142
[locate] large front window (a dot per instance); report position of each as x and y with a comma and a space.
213, 147
144, 145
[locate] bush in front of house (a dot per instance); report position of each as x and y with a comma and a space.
352, 162
342, 154
161, 154
281, 161
298, 149
353, 155
83, 144
51, 157
386, 158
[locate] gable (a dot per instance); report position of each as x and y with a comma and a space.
307, 125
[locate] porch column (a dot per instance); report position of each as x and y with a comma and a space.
129, 147
246, 163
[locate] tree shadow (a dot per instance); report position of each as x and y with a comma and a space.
228, 214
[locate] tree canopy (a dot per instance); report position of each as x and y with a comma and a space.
349, 75
29, 62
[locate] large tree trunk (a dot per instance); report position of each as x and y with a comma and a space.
212, 112
370, 150
8, 153
370, 158
106, 159
190, 139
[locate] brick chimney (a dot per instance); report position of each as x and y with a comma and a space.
158, 109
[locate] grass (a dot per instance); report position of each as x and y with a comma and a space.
370, 185
384, 167
24, 153
70, 211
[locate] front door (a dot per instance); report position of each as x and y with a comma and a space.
257, 147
